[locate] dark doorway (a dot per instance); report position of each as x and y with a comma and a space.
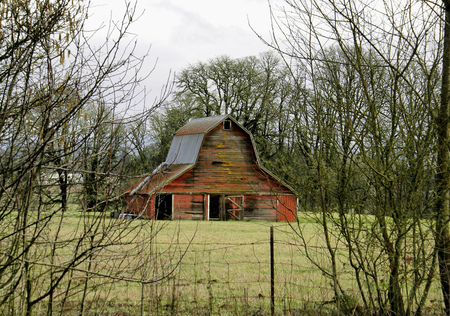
163, 206
214, 207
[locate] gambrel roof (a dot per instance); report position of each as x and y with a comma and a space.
188, 140
184, 152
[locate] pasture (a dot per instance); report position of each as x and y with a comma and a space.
188, 267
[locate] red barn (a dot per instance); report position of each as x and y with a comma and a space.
212, 172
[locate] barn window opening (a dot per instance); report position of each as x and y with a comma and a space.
163, 206
227, 124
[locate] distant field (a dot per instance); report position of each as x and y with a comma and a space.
167, 267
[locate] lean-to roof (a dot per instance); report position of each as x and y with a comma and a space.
153, 183
184, 149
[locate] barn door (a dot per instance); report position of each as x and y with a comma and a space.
163, 206
214, 208
235, 207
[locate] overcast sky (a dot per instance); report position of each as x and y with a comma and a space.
184, 32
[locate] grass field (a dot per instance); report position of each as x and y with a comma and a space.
227, 266
186, 267
168, 267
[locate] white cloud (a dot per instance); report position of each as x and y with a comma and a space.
183, 32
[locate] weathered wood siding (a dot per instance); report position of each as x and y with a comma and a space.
260, 208
234, 206
270, 208
226, 165
189, 206
287, 208
195, 206
143, 205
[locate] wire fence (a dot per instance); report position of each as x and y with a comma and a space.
228, 269
235, 278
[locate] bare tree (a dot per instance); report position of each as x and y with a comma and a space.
63, 107
372, 72
443, 168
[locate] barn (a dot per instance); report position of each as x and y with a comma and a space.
212, 172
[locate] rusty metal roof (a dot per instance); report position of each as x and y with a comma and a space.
201, 125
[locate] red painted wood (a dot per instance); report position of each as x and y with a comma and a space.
143, 205
226, 165
287, 208
260, 208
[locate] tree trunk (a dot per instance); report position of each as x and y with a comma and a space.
63, 185
443, 172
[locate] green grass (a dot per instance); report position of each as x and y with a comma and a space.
179, 267
227, 267
203, 266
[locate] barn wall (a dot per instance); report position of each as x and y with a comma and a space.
141, 204
270, 208
287, 208
226, 165
187, 206
260, 208
195, 206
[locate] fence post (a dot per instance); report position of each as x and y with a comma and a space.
272, 275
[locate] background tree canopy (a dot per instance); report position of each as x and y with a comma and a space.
258, 91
